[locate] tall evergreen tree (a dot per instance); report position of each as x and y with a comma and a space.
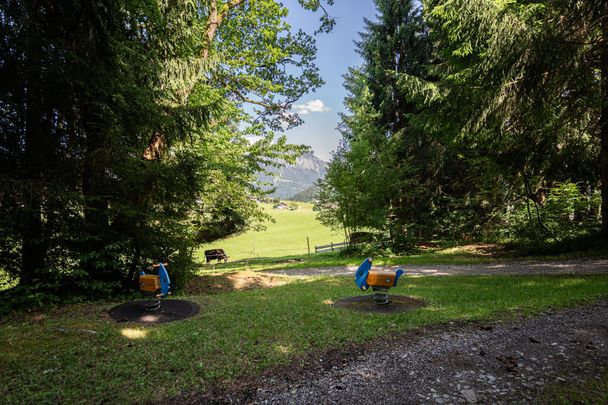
482, 110
124, 134
381, 135
523, 89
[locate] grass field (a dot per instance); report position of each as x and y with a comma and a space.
76, 354
286, 236
456, 255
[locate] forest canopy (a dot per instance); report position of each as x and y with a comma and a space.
133, 130
475, 119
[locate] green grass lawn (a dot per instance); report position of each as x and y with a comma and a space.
456, 255
286, 236
591, 391
50, 357
337, 259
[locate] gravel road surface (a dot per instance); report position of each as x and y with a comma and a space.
581, 266
509, 362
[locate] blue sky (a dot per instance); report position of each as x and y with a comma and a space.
336, 53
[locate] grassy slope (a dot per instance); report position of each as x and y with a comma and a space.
240, 333
287, 236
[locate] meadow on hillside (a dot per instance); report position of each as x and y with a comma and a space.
286, 236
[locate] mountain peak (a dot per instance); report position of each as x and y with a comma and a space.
309, 161
295, 178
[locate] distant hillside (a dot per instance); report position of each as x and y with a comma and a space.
293, 179
308, 195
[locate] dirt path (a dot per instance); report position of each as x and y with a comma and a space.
581, 266
510, 362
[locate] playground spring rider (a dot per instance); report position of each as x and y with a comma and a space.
154, 286
379, 280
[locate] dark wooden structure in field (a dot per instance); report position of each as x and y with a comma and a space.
216, 254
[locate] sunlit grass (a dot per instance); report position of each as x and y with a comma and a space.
50, 359
134, 333
592, 390
286, 236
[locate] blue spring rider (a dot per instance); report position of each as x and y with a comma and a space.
155, 286
380, 280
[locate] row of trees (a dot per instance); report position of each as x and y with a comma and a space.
126, 131
475, 118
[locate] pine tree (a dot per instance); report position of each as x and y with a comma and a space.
384, 147
522, 88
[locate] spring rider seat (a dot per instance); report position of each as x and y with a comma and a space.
154, 286
379, 280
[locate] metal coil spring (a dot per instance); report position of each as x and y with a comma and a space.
152, 305
381, 295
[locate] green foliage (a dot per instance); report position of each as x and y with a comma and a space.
566, 214
520, 86
127, 136
480, 119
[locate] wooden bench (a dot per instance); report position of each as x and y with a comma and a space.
216, 254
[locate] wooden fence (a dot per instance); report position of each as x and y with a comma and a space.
331, 247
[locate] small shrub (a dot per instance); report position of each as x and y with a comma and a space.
566, 213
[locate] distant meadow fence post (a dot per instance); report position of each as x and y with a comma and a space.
308, 244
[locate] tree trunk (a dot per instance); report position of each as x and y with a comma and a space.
604, 121
33, 248
95, 198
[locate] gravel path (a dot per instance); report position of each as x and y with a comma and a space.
581, 266
508, 362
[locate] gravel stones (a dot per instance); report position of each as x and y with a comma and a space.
578, 266
469, 396
444, 365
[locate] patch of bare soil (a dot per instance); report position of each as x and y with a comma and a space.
475, 362
242, 280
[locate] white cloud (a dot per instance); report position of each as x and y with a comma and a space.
253, 138
311, 106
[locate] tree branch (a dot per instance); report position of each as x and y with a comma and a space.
215, 20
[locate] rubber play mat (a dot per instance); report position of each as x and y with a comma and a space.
170, 310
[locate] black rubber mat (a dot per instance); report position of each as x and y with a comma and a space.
170, 310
